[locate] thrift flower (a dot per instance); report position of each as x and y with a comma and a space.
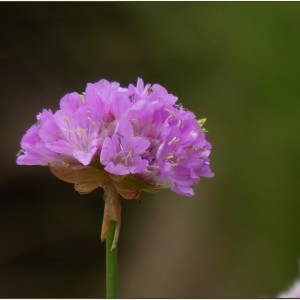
125, 140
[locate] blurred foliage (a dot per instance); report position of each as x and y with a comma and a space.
237, 64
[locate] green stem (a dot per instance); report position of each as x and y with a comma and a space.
111, 263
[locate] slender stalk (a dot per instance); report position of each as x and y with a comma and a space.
111, 263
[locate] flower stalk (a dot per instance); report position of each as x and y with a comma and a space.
111, 262
110, 232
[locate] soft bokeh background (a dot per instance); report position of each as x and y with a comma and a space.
238, 64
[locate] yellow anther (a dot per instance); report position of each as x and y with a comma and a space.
169, 111
174, 141
190, 148
179, 159
170, 117
66, 119
169, 157
171, 114
81, 131
180, 124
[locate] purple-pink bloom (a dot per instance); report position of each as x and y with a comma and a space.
122, 153
134, 134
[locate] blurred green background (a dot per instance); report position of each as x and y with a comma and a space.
236, 64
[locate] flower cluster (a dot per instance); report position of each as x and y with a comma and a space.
136, 137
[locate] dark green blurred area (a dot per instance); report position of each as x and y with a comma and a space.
238, 64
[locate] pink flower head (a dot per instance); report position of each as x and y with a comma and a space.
134, 134
125, 140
